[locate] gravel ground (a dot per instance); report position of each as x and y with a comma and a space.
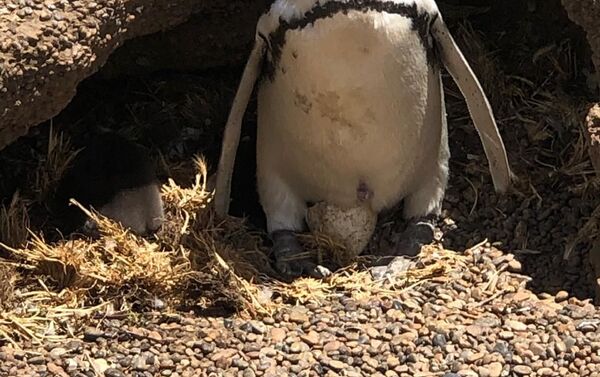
514, 309
522, 311
480, 321
534, 223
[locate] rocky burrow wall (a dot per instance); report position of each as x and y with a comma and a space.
48, 46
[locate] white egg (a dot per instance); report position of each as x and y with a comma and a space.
351, 227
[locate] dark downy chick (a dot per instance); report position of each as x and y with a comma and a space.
116, 177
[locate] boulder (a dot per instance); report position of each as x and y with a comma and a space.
586, 13
592, 135
47, 47
219, 38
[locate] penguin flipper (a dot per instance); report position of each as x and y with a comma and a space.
478, 104
231, 136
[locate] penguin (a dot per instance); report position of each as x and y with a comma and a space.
351, 112
116, 177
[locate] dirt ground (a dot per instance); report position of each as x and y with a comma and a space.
536, 71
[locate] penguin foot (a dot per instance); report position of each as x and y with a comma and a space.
418, 232
290, 259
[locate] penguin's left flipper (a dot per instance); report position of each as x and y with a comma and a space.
231, 136
479, 107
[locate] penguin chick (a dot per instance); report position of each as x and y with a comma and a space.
117, 178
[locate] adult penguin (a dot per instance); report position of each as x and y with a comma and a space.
351, 112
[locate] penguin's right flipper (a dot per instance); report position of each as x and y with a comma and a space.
231, 136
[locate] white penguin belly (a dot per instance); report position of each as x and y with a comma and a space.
348, 105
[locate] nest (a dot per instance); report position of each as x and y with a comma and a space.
8, 277
194, 261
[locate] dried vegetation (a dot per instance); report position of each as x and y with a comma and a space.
195, 261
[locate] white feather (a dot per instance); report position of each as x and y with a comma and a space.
349, 104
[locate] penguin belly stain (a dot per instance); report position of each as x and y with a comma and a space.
302, 102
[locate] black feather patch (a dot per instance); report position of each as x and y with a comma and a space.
421, 23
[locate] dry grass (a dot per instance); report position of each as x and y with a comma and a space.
14, 221
52, 166
534, 105
503, 91
358, 283
110, 267
588, 233
8, 278
195, 252
117, 259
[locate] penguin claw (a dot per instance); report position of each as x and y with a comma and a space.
320, 272
297, 268
292, 269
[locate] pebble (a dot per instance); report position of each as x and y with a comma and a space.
392, 362
515, 266
255, 327
278, 335
475, 330
561, 296
522, 296
296, 347
537, 349
439, 340
91, 334
240, 363
207, 348
332, 346
516, 325
312, 338
70, 365
298, 315
336, 365
57, 353
506, 335
560, 347
495, 369
138, 363
112, 372
587, 326
522, 370
36, 360
373, 363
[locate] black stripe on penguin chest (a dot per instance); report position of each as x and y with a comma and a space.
421, 22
